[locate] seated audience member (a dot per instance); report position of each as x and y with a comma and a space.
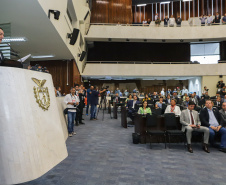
217, 18
186, 102
168, 99
211, 118
108, 92
146, 98
173, 108
126, 93
117, 90
190, 122
159, 103
198, 98
206, 95
71, 100
55, 90
116, 98
154, 96
209, 20
130, 97
203, 20
59, 92
144, 109
131, 107
224, 99
194, 98
149, 21
224, 21
218, 103
171, 21
185, 95
223, 115
178, 21
144, 21
166, 20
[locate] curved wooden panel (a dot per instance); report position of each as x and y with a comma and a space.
32, 140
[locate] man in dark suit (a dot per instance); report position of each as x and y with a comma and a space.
218, 103
1, 55
211, 118
217, 18
94, 102
131, 107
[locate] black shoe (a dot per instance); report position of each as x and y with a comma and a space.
205, 148
82, 119
81, 123
190, 149
222, 150
76, 124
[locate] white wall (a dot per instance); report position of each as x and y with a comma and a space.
63, 25
171, 70
195, 85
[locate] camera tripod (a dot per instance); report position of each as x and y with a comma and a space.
102, 105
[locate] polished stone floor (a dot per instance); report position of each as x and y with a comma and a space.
102, 153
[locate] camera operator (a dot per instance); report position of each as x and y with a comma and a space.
205, 90
71, 101
220, 83
103, 94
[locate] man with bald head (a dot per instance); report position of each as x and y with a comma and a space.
1, 55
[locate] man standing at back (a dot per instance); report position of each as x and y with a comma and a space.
94, 102
1, 55
89, 92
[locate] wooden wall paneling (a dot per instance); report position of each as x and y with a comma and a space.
187, 11
100, 11
176, 8
148, 12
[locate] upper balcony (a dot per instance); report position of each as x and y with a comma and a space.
190, 31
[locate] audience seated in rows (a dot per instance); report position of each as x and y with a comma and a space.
144, 109
173, 108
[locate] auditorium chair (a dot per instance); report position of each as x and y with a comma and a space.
171, 127
152, 128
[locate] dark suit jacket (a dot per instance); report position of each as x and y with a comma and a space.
94, 97
1, 59
223, 118
219, 106
217, 20
204, 116
168, 101
130, 104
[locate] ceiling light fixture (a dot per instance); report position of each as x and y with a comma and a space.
42, 56
18, 39
186, 0
141, 4
166, 2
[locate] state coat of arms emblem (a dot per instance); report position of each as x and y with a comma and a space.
41, 94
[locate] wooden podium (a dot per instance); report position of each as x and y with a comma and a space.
32, 137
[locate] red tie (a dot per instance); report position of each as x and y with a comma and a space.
192, 120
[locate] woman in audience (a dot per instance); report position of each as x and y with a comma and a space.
130, 97
159, 103
184, 97
171, 21
146, 98
144, 109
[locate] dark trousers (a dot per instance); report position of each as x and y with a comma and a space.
131, 114
222, 132
79, 114
87, 107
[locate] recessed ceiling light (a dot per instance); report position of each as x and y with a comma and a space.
16, 39
166, 2
42, 56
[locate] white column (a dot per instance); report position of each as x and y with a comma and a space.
221, 8
185, 10
198, 8
144, 12
172, 7
156, 8
212, 7
140, 14
217, 6
189, 9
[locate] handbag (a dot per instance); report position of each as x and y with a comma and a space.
66, 111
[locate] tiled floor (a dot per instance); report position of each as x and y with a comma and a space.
102, 153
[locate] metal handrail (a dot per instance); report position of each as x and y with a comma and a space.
138, 62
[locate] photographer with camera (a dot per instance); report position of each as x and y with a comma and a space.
72, 101
205, 90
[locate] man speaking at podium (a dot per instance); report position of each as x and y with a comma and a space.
1, 55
